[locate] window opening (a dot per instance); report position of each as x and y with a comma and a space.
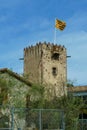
55, 56
54, 71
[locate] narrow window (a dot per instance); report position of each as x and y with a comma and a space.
55, 56
54, 71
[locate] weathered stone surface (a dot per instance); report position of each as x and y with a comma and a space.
46, 64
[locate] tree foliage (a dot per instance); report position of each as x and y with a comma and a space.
13, 93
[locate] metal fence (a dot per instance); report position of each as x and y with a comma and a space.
39, 119
82, 124
36, 119
31, 119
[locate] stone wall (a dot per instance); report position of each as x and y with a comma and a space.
46, 63
32, 58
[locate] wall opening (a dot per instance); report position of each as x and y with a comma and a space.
55, 56
54, 71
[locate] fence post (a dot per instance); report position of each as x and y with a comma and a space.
40, 119
12, 118
63, 122
82, 121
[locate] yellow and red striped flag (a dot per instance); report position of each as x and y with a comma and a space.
60, 24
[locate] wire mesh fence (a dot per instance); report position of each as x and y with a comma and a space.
31, 119
39, 119
36, 119
82, 124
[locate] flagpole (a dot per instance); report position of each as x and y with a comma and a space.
58, 25
55, 33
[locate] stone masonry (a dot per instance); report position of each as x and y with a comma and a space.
46, 63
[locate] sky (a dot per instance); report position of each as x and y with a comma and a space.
25, 22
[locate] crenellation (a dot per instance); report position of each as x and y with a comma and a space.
39, 43
36, 50
45, 43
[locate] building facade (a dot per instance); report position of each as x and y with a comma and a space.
46, 63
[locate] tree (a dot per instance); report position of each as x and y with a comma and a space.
3, 91
71, 106
13, 91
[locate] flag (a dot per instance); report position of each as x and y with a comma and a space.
60, 24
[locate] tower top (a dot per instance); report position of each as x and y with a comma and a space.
52, 46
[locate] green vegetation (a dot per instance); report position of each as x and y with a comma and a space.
71, 105
13, 93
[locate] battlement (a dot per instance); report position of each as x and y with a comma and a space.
38, 48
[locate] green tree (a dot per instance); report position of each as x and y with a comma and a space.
13, 90
71, 106
3, 91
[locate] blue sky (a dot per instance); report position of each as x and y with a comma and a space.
26, 22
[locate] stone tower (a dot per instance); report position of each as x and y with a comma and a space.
46, 64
